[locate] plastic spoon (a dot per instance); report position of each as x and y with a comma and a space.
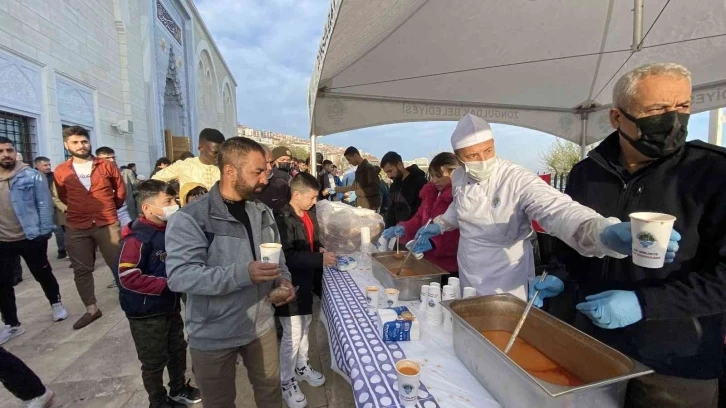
524, 317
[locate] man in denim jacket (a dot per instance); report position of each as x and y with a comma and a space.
26, 224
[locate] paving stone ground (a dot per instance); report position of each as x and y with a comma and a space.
97, 367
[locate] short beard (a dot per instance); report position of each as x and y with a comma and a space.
245, 190
8, 166
74, 154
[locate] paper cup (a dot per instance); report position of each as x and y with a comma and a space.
270, 253
456, 284
435, 284
469, 292
447, 293
434, 300
448, 321
651, 234
391, 296
409, 381
424, 297
365, 235
372, 294
409, 245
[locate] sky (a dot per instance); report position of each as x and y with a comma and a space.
270, 47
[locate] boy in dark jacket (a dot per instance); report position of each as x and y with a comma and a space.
153, 310
304, 256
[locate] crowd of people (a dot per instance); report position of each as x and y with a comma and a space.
192, 234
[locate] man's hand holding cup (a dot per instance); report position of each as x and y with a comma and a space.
261, 272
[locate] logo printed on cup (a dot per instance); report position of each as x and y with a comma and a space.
646, 239
651, 235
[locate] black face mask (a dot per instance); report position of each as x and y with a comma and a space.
660, 135
284, 167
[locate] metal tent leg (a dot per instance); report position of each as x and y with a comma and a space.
313, 168
583, 136
716, 121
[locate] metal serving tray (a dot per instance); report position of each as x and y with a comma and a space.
409, 287
604, 370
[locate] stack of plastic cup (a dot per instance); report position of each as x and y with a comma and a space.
448, 293
433, 309
469, 292
424, 299
456, 284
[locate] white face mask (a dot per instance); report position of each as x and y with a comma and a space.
168, 211
481, 170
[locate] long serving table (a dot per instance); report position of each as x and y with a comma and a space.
368, 363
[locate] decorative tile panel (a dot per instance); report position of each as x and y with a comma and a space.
168, 22
75, 103
20, 86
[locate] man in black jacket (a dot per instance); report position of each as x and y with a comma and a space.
672, 318
407, 184
276, 193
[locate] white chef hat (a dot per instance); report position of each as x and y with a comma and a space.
469, 131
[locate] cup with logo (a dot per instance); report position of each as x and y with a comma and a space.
409, 381
372, 294
651, 235
270, 252
391, 297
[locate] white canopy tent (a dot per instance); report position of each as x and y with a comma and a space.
548, 65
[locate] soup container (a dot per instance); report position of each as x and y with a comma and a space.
409, 287
604, 370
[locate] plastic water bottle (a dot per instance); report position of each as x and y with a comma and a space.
365, 263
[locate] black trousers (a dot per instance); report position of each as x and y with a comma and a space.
18, 378
35, 255
160, 343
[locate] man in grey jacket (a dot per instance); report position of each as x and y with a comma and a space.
213, 256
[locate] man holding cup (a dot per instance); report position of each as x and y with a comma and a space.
670, 318
213, 256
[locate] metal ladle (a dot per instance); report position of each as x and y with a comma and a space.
410, 251
524, 317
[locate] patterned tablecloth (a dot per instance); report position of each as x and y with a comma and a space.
368, 363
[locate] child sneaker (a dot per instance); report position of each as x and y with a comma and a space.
187, 395
294, 398
309, 375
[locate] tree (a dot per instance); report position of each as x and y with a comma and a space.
561, 156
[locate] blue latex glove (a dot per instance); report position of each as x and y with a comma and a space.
550, 287
612, 309
351, 197
425, 233
422, 245
619, 238
331, 191
392, 232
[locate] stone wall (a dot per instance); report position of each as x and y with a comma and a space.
96, 62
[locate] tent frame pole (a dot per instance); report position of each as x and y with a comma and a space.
583, 135
637, 26
716, 121
313, 168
